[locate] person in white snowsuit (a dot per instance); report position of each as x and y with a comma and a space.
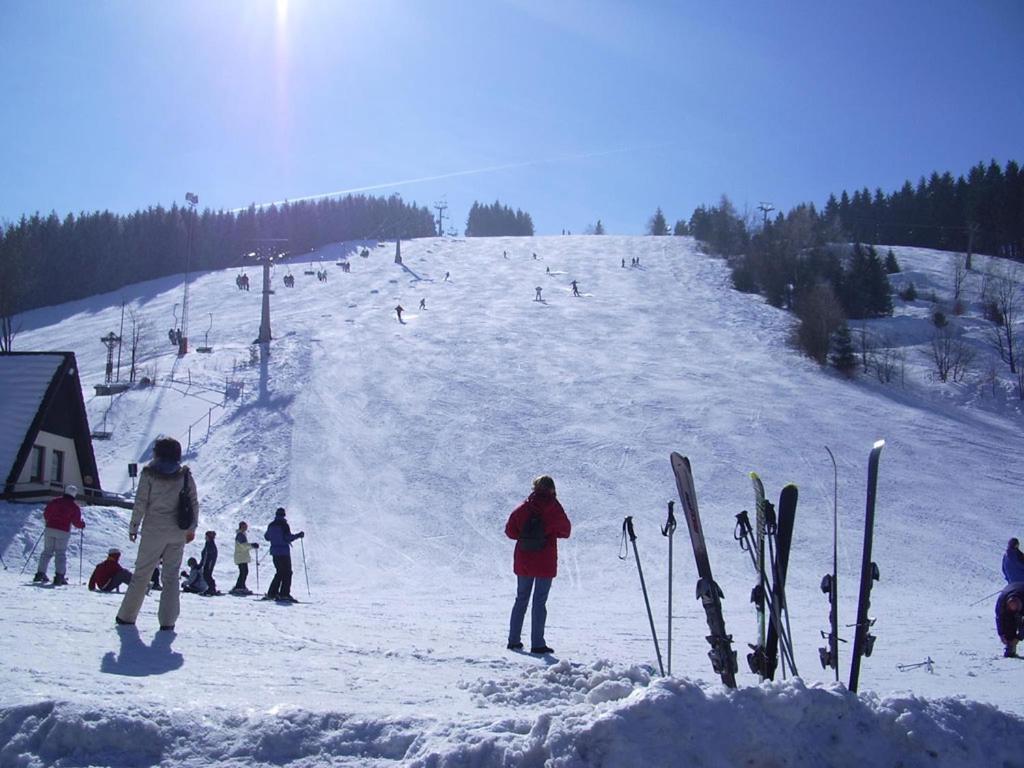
155, 515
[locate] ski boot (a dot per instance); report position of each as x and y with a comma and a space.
59, 580
40, 578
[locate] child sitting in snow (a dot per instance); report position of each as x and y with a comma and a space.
194, 581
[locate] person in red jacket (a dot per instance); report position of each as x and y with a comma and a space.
536, 525
109, 575
60, 514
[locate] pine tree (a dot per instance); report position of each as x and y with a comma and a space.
891, 265
843, 357
599, 228
657, 224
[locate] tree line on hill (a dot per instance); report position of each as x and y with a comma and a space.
47, 260
818, 266
497, 220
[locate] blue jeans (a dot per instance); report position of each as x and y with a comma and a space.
540, 588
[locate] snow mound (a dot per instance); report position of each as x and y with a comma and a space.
668, 722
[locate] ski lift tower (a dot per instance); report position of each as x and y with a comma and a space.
267, 250
192, 200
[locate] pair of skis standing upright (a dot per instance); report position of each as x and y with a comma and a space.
773, 629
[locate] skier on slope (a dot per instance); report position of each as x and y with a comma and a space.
575, 289
535, 568
398, 311
537, 297
1010, 617
243, 556
280, 536
1013, 562
60, 514
207, 560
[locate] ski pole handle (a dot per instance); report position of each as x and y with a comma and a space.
670, 522
627, 528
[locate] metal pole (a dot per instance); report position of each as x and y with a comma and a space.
81, 544
627, 529
305, 570
32, 552
257, 570
834, 595
669, 530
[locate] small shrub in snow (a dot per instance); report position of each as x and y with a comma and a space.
909, 293
843, 357
939, 319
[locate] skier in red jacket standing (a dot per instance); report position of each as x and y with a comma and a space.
60, 514
536, 525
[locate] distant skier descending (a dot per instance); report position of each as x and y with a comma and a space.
398, 311
575, 288
538, 289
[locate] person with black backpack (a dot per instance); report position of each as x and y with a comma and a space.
535, 525
166, 513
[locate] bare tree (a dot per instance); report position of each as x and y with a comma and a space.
866, 348
9, 325
821, 314
1004, 293
137, 332
951, 354
959, 276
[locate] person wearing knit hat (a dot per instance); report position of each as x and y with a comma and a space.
109, 575
156, 525
1013, 562
59, 515
280, 536
243, 555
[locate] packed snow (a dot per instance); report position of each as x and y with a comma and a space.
401, 447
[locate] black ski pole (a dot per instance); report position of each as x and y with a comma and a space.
669, 530
32, 552
81, 544
987, 597
627, 529
257, 570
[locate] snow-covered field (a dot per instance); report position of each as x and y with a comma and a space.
400, 448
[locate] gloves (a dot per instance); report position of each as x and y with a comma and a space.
255, 546
302, 534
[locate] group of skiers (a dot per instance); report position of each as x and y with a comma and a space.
1010, 603
163, 521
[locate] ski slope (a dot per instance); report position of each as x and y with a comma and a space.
401, 447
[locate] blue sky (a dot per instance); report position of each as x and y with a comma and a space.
570, 110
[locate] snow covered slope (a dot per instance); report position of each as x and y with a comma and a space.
400, 449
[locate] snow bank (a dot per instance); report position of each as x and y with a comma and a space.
665, 722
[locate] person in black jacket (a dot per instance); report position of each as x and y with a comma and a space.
1010, 617
280, 536
207, 560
